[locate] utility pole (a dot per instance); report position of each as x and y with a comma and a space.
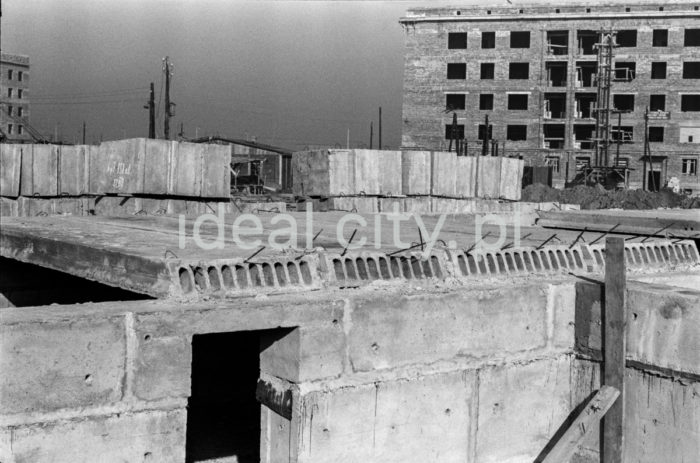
371, 133
380, 127
182, 130
168, 105
83, 132
347, 143
151, 106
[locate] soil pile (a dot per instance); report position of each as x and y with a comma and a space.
596, 197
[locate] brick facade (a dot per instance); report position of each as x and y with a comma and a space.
558, 87
14, 98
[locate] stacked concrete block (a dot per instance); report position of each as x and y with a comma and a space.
39, 175
443, 174
511, 178
73, 170
488, 177
465, 185
341, 173
10, 169
416, 171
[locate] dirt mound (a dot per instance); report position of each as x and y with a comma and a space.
596, 197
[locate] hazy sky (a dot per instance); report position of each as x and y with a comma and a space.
291, 73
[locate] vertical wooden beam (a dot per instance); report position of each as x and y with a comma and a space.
614, 346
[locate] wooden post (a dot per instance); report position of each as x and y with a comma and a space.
614, 347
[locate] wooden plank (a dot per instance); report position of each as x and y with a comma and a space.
587, 420
10, 169
614, 346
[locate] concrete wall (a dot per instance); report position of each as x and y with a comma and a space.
485, 374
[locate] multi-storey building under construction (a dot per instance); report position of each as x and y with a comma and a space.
577, 86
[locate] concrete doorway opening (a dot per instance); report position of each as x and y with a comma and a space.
223, 415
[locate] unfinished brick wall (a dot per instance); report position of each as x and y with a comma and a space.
426, 85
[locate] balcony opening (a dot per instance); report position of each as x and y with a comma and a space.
558, 42
223, 415
482, 131
585, 73
554, 106
488, 70
656, 134
660, 38
455, 101
692, 38
657, 103
454, 133
517, 101
554, 136
516, 132
691, 70
556, 74
488, 40
519, 71
583, 134
625, 71
624, 103
457, 40
627, 38
690, 103
486, 101
623, 134
520, 39
586, 42
585, 103
456, 70
658, 70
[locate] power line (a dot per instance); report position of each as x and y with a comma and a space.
96, 102
88, 94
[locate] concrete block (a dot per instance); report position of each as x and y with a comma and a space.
158, 159
662, 418
367, 173
216, 176
520, 408
61, 365
10, 169
118, 167
418, 205
341, 173
389, 172
307, 353
71, 170
162, 366
466, 176
9, 207
415, 172
39, 176
663, 327
187, 168
562, 304
444, 174
511, 178
389, 332
488, 177
310, 173
134, 437
275, 437
419, 419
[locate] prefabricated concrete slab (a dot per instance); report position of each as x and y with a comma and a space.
10, 169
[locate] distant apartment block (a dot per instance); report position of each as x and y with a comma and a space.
533, 70
14, 98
